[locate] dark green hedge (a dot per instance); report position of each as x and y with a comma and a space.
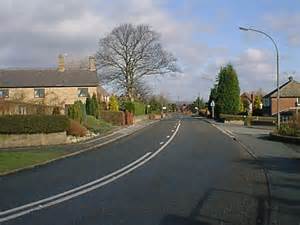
33, 124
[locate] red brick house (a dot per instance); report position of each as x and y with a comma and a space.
289, 98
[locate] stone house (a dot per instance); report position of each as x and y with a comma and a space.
289, 98
53, 87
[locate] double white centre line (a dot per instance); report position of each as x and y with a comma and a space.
75, 192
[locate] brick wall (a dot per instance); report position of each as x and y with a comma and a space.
285, 104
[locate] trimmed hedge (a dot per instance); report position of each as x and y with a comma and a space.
249, 120
229, 117
129, 106
33, 124
139, 108
115, 118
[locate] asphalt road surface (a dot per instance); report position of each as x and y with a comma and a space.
180, 171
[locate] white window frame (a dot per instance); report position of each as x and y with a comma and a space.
37, 93
298, 101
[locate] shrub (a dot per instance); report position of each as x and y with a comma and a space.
56, 111
139, 108
94, 106
33, 124
228, 117
115, 118
97, 125
77, 112
287, 130
128, 106
76, 129
113, 104
88, 105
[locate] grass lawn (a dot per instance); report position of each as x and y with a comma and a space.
12, 160
18, 159
98, 125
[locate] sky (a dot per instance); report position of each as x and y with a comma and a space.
202, 34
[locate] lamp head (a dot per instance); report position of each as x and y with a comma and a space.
243, 28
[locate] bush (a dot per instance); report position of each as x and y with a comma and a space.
227, 117
77, 111
115, 118
128, 106
113, 104
139, 108
76, 129
56, 111
33, 124
287, 130
92, 106
97, 125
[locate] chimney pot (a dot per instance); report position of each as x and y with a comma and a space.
92, 64
61, 63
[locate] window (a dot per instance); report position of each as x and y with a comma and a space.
266, 102
298, 102
4, 93
39, 93
83, 92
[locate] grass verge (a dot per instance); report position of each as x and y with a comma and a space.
14, 160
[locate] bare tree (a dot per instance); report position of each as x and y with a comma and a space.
128, 54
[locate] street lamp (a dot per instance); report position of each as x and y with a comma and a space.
277, 67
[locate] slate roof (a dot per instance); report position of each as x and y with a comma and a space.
289, 89
47, 78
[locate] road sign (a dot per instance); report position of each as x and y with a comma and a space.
212, 104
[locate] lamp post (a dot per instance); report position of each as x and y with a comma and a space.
277, 67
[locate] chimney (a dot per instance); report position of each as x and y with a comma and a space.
61, 63
92, 64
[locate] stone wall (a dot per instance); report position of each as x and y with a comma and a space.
58, 96
26, 140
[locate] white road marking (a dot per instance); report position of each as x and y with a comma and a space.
172, 131
161, 143
72, 193
168, 136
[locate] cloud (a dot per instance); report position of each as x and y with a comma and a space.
287, 23
34, 32
255, 68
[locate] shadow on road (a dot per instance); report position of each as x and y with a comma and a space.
210, 212
285, 186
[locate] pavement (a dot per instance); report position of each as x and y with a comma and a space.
282, 163
178, 171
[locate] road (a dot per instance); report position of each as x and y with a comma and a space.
281, 162
178, 171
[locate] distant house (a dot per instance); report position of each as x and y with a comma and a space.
289, 98
247, 100
54, 87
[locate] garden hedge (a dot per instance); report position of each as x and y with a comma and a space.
139, 108
115, 118
33, 124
